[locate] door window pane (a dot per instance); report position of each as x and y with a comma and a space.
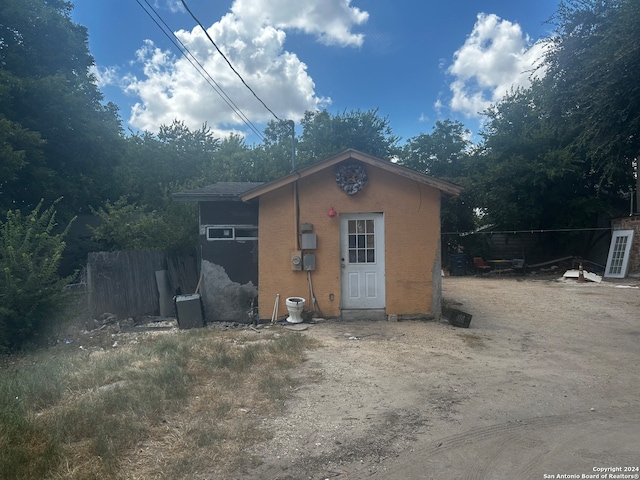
361, 241
369, 241
371, 256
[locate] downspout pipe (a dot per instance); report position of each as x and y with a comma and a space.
296, 200
296, 214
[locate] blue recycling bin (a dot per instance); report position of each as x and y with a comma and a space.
458, 263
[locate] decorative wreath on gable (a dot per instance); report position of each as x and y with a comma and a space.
351, 177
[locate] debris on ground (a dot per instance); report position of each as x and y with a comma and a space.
456, 317
591, 277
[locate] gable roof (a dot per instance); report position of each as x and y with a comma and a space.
447, 189
217, 192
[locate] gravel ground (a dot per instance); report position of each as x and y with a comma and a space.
544, 383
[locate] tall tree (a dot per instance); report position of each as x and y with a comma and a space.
235, 162
48, 92
529, 172
18, 147
275, 157
176, 155
325, 135
593, 66
440, 153
154, 166
444, 154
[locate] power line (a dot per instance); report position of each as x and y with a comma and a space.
201, 70
212, 83
556, 230
227, 60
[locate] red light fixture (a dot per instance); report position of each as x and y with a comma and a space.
332, 213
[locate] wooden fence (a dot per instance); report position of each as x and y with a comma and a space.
124, 283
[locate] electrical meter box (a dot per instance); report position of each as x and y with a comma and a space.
296, 260
309, 241
309, 261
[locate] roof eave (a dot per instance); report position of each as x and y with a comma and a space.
204, 197
447, 189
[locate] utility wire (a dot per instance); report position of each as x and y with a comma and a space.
223, 95
489, 232
199, 68
227, 60
212, 83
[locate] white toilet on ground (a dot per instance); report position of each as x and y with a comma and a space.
295, 305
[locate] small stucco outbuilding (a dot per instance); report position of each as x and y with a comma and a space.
358, 234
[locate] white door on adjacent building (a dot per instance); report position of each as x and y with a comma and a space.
362, 261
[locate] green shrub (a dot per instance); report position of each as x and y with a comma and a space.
169, 226
31, 291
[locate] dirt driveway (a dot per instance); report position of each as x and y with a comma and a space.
545, 383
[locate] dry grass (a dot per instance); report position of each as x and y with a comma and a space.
179, 405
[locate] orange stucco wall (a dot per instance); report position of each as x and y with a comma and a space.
412, 238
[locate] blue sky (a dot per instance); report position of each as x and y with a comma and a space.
416, 61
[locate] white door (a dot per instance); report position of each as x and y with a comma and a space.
362, 261
618, 260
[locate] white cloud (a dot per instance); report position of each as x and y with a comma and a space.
173, 6
105, 76
330, 20
252, 37
438, 106
495, 58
